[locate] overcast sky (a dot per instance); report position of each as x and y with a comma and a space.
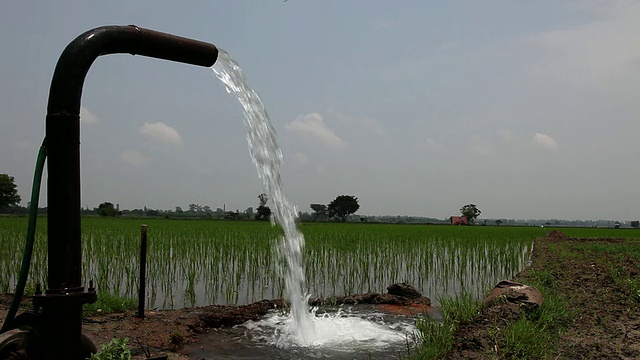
526, 109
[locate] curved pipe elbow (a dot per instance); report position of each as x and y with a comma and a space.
76, 59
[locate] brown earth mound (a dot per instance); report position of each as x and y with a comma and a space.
397, 294
400, 299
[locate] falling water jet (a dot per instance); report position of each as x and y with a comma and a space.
349, 331
267, 157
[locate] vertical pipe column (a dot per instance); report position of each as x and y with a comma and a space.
63, 204
64, 235
61, 303
143, 270
63, 331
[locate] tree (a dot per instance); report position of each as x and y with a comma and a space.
498, 222
304, 216
343, 206
635, 224
8, 191
248, 213
471, 212
263, 211
107, 209
263, 198
318, 209
152, 212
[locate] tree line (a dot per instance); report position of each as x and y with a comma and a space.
340, 209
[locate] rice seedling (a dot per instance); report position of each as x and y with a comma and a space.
200, 262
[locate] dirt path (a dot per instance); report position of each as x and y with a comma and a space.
598, 279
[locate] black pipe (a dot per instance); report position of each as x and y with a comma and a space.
77, 57
63, 299
143, 271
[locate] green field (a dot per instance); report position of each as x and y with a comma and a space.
200, 262
599, 232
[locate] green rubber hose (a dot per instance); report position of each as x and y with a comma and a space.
31, 233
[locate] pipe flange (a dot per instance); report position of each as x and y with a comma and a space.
59, 298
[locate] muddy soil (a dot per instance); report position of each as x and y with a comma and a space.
162, 332
168, 331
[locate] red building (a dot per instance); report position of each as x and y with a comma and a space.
459, 220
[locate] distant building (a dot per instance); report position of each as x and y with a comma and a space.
459, 220
230, 215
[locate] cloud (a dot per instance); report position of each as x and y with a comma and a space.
361, 123
301, 159
133, 158
383, 24
482, 148
87, 117
545, 141
161, 132
312, 125
434, 144
593, 51
24, 144
506, 135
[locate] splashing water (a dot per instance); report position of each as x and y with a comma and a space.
351, 333
267, 158
342, 330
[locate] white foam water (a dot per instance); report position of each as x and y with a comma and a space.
342, 330
356, 333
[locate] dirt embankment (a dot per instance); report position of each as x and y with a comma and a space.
596, 278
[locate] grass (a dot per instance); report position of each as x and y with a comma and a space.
533, 335
615, 253
536, 334
116, 349
634, 288
435, 337
109, 303
201, 262
600, 233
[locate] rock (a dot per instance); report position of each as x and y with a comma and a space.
216, 316
404, 290
398, 294
516, 293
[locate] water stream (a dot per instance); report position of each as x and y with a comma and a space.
267, 157
301, 328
